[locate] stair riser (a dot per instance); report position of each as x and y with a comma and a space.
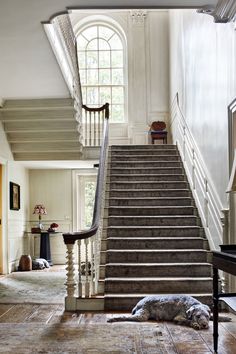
151, 211
140, 170
144, 185
158, 271
155, 178
128, 303
144, 164
149, 193
150, 232
159, 287
156, 257
148, 157
154, 152
155, 244
152, 221
150, 202
144, 147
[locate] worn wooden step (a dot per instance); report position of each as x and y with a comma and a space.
127, 301
150, 201
154, 231
147, 177
143, 157
148, 185
159, 285
155, 243
144, 147
156, 256
158, 269
150, 210
154, 193
156, 152
144, 164
144, 170
164, 220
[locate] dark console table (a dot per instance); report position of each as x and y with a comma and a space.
45, 249
226, 261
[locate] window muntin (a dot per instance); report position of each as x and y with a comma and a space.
101, 62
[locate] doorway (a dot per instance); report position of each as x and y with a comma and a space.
1, 242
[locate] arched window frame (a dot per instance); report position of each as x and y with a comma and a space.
114, 26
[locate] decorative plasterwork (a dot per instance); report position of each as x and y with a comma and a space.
138, 16
225, 11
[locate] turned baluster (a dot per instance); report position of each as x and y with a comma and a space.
70, 277
79, 270
87, 285
92, 266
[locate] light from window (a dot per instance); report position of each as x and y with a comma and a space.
101, 63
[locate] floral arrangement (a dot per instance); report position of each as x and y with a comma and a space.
53, 227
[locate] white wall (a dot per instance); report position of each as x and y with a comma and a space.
53, 189
17, 219
202, 65
5, 151
14, 221
147, 69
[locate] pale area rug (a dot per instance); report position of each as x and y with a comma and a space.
83, 339
40, 287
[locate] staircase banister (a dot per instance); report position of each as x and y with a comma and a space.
99, 109
72, 237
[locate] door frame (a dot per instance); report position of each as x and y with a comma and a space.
76, 189
4, 240
231, 152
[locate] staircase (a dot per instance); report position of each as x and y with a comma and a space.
154, 242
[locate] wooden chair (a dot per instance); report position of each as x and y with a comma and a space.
158, 132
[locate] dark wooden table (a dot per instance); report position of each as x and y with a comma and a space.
226, 261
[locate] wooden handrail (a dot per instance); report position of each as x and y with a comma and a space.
70, 238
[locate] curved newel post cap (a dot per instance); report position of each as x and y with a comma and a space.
107, 112
69, 239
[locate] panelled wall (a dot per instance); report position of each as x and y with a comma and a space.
202, 71
14, 222
147, 69
53, 189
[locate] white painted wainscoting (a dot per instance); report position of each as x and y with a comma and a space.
213, 216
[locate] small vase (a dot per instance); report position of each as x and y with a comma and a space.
25, 263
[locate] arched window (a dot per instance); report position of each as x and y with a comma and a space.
101, 63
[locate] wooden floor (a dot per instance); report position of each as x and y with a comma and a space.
30, 328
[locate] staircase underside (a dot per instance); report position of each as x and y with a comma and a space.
41, 129
153, 240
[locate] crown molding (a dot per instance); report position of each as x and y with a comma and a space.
225, 11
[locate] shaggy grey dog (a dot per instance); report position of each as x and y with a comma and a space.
181, 309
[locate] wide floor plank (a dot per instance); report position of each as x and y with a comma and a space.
27, 329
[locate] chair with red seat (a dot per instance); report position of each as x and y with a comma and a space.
158, 132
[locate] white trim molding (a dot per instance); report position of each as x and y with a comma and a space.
138, 17
205, 195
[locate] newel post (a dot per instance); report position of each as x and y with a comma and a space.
70, 300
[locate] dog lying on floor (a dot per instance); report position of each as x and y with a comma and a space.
181, 309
